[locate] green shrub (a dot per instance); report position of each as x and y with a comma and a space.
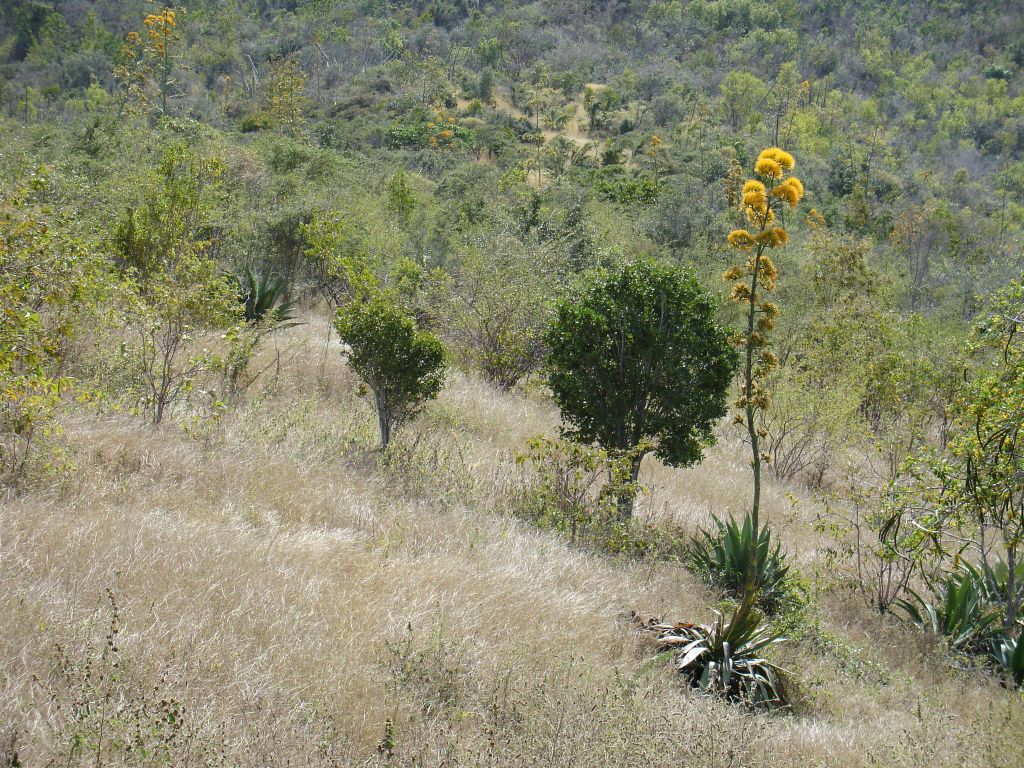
573, 489
256, 121
997, 584
404, 366
625, 188
637, 358
50, 284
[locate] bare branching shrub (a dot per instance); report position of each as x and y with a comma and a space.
167, 323
496, 306
806, 426
101, 710
429, 665
876, 553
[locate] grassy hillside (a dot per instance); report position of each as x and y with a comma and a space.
209, 553
291, 594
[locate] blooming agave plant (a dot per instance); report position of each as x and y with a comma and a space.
774, 189
726, 657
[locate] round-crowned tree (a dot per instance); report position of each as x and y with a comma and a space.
404, 366
637, 363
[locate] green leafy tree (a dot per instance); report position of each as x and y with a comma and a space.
175, 291
176, 207
348, 250
404, 366
49, 285
637, 358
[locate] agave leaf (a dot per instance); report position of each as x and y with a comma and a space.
735, 551
913, 614
695, 651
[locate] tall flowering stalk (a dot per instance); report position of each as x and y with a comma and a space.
773, 188
163, 35
150, 58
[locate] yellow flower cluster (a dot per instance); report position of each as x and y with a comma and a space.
780, 156
755, 195
740, 238
160, 27
441, 128
767, 274
791, 190
768, 168
766, 323
772, 237
814, 219
740, 292
166, 18
758, 200
760, 218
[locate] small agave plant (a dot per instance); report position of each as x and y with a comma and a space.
960, 614
726, 657
265, 297
733, 553
1008, 653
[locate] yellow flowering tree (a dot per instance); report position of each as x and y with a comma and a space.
764, 198
150, 56
442, 129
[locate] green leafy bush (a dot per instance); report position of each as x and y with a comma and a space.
49, 285
625, 188
573, 489
404, 366
637, 357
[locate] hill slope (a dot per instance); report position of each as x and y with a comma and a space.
290, 596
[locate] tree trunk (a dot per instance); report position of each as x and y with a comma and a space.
626, 500
384, 420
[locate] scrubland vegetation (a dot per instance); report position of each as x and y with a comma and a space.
513, 384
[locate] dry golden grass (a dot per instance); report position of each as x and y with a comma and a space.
294, 595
